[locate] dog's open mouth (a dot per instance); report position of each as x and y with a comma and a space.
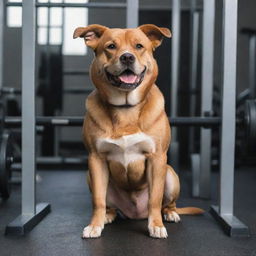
127, 80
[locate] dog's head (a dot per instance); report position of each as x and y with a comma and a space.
123, 57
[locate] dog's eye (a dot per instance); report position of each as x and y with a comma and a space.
111, 46
139, 46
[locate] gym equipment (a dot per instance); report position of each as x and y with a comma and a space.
204, 172
2, 117
224, 213
32, 214
173, 153
251, 33
242, 97
193, 67
73, 90
1, 42
6, 159
207, 122
74, 5
248, 124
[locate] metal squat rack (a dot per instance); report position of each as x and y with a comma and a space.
201, 163
32, 213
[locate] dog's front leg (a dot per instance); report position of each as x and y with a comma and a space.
156, 173
99, 176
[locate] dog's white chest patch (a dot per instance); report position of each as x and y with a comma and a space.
126, 149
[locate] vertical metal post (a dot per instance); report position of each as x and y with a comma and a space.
175, 61
1, 42
252, 66
224, 213
173, 154
207, 96
31, 213
28, 108
132, 13
48, 26
227, 157
194, 38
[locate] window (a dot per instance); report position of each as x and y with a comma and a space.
74, 17
62, 23
50, 25
55, 25
14, 17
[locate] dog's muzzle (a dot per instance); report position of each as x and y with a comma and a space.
127, 80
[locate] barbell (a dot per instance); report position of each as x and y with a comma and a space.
247, 122
207, 122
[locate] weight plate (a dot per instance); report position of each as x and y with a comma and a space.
6, 157
250, 124
2, 116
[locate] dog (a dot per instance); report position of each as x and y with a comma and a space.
127, 132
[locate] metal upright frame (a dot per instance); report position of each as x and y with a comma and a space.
175, 62
224, 213
31, 213
252, 65
194, 39
132, 13
201, 163
2, 8
206, 97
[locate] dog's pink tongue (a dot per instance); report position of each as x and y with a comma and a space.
128, 78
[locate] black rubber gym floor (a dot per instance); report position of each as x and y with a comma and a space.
60, 232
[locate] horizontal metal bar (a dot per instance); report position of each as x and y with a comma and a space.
248, 31
76, 72
47, 120
75, 90
74, 5
10, 90
78, 121
206, 122
52, 161
61, 160
167, 8
108, 5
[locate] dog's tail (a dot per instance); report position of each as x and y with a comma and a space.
190, 211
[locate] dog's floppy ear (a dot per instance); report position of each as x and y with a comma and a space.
91, 34
155, 33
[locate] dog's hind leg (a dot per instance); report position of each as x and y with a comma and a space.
171, 193
110, 215
170, 214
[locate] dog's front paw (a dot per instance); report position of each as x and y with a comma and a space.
172, 216
157, 232
92, 231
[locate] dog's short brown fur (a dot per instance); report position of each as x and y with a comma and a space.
127, 132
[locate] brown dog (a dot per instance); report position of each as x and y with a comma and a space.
127, 132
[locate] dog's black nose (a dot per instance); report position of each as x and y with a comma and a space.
127, 58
